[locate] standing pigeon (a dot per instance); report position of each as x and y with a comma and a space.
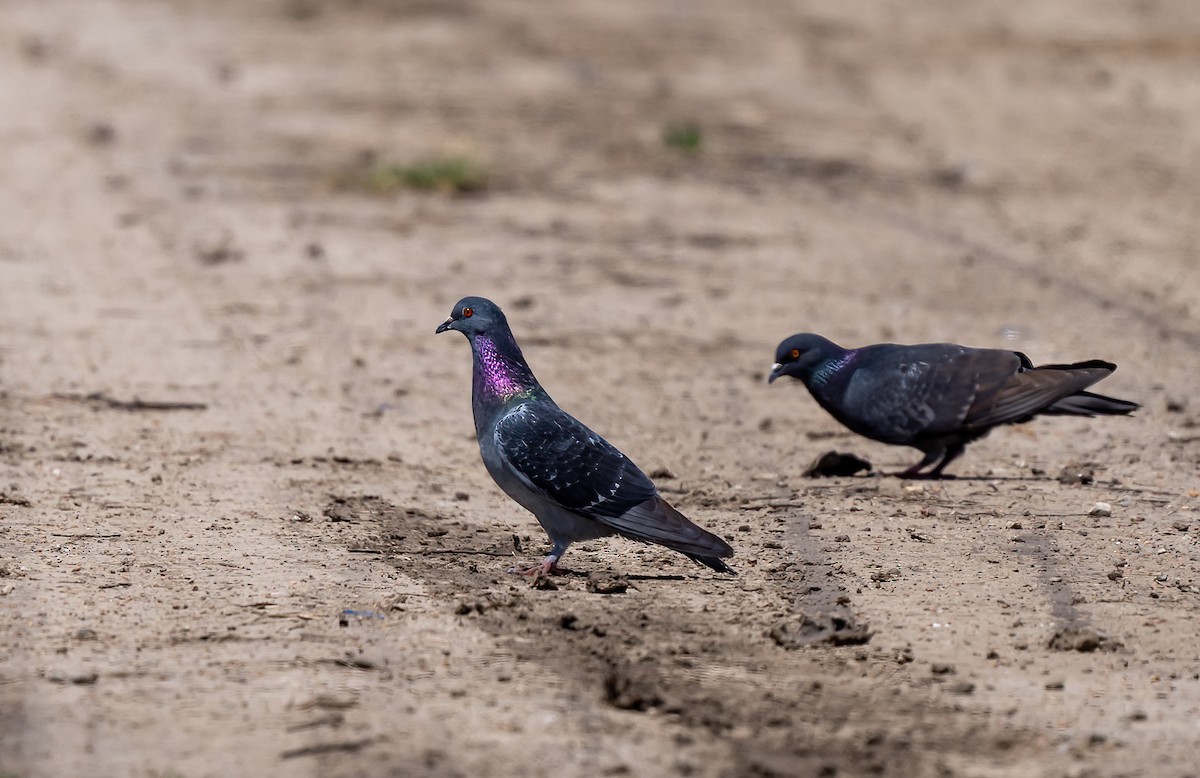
577, 484
938, 397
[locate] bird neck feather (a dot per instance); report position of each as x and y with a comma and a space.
823, 372
500, 369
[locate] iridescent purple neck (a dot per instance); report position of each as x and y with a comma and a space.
500, 374
830, 367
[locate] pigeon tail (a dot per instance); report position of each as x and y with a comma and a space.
655, 521
1090, 404
1030, 392
716, 563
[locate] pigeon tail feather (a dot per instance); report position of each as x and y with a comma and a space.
1030, 392
655, 521
1091, 404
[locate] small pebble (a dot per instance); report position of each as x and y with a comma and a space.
1101, 509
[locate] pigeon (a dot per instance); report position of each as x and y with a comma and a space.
577, 484
938, 397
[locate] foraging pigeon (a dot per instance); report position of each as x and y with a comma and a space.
938, 397
577, 484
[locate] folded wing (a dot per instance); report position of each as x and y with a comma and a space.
561, 459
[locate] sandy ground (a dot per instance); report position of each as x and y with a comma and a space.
177, 227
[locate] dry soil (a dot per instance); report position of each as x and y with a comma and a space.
303, 573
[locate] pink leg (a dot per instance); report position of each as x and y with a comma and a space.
548, 566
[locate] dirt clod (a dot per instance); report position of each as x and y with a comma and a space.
607, 583
632, 687
1076, 474
220, 250
834, 463
1083, 639
803, 630
543, 582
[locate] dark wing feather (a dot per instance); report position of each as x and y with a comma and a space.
1089, 404
1032, 391
560, 458
901, 393
654, 521
565, 461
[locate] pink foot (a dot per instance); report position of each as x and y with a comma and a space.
549, 566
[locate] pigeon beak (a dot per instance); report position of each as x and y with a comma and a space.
447, 324
776, 371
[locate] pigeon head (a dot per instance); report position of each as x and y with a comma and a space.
501, 373
475, 316
799, 355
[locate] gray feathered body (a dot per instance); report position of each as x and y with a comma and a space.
577, 484
938, 397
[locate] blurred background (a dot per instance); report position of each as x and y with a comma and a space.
309, 184
298, 177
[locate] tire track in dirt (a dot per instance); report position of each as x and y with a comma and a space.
694, 651
14, 418
1074, 630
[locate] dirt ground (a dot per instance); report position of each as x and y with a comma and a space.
304, 574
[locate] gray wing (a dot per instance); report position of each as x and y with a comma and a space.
1038, 389
927, 390
559, 458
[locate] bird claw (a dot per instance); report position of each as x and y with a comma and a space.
546, 568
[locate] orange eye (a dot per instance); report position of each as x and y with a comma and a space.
795, 353
466, 314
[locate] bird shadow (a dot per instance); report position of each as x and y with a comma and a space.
977, 478
951, 478
564, 572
